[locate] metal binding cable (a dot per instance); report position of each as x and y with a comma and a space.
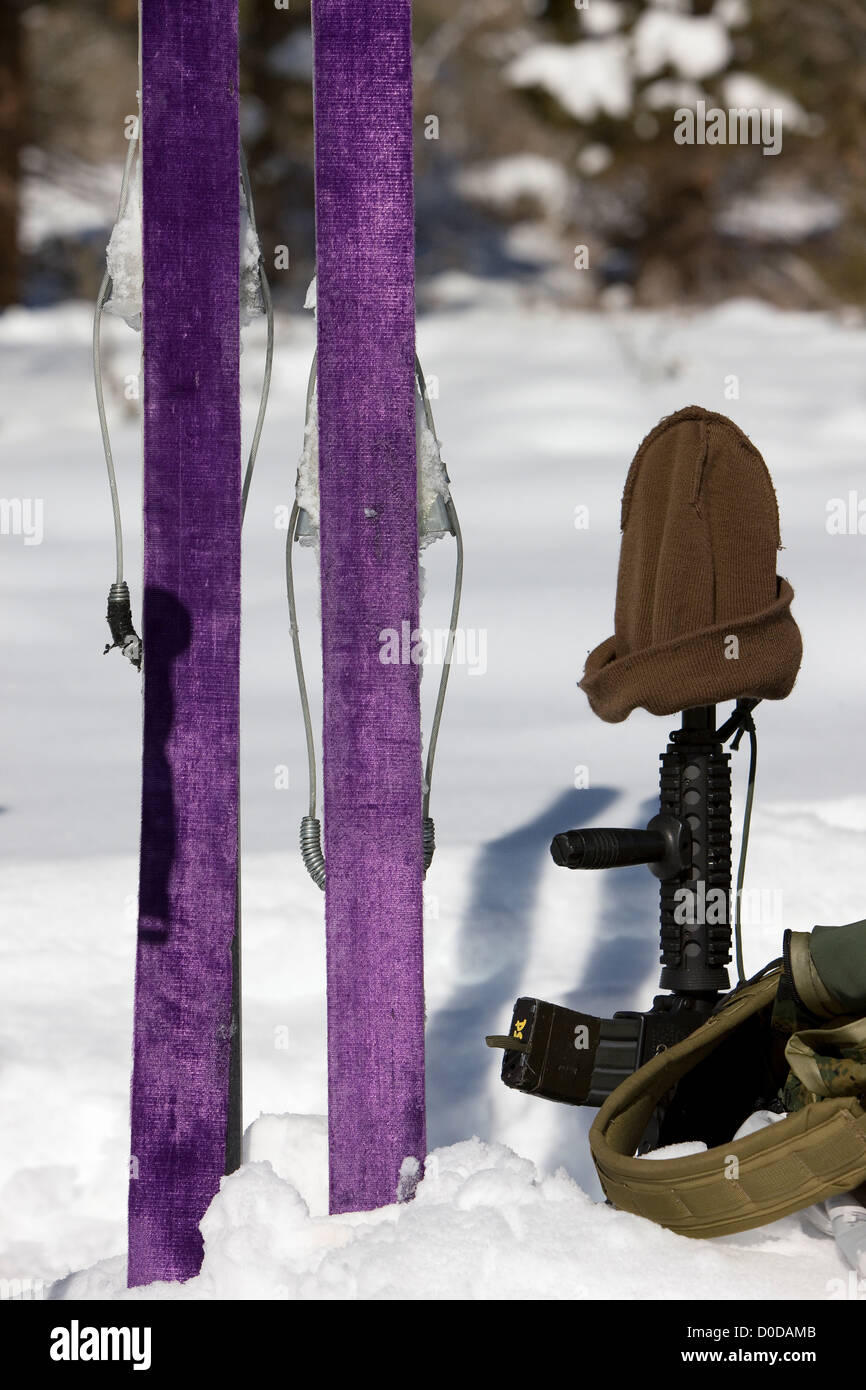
429, 827
268, 305
312, 853
311, 828
101, 298
119, 614
119, 608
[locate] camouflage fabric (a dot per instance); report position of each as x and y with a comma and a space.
789, 1014
825, 1062
839, 957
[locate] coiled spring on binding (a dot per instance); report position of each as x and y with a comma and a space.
311, 849
429, 841
314, 856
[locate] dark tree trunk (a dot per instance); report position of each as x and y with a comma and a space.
11, 136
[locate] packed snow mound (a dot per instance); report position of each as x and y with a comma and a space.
501, 919
483, 1221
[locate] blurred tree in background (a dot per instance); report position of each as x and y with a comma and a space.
541, 126
12, 105
277, 133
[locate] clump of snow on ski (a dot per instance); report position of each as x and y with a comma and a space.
125, 259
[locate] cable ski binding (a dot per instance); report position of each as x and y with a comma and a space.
437, 516
119, 615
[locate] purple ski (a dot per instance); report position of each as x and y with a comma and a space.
184, 1019
369, 573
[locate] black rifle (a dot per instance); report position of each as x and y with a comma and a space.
579, 1059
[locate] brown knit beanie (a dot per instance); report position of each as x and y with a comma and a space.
701, 615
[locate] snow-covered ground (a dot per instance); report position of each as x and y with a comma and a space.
540, 414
